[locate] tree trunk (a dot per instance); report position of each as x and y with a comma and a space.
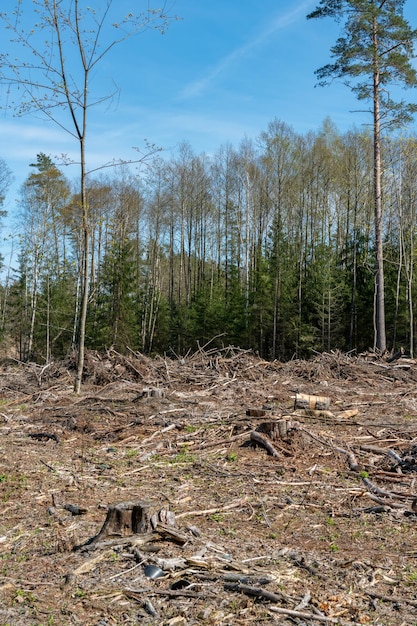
84, 272
380, 337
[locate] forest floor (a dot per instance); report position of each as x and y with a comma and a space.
260, 511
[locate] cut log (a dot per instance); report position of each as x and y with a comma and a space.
153, 392
305, 401
255, 412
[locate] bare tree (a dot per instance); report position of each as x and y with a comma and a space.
59, 44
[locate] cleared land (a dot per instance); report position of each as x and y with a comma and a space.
262, 512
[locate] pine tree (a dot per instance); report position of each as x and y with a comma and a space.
373, 55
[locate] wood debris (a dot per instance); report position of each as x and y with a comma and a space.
253, 507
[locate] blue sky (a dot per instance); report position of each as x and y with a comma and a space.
223, 71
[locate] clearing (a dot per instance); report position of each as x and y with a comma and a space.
201, 490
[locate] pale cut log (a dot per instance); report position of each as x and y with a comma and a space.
348, 413
306, 401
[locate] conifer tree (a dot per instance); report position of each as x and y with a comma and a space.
373, 55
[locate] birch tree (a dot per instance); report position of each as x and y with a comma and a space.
56, 46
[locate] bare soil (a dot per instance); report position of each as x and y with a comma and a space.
309, 521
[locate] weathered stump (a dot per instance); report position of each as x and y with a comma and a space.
269, 434
278, 430
131, 518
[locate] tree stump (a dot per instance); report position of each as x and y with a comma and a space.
131, 518
278, 430
269, 434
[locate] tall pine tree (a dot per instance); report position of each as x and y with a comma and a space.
374, 54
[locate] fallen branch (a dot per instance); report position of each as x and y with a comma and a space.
353, 464
263, 441
391, 505
41, 436
302, 615
132, 540
167, 531
257, 592
74, 509
232, 505
394, 599
396, 355
135, 593
382, 492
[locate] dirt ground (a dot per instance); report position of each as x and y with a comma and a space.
255, 509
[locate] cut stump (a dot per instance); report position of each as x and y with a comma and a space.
269, 434
131, 518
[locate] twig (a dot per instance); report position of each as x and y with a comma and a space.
126, 571
51, 469
135, 593
39, 376
202, 348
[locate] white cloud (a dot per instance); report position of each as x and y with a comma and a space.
22, 141
197, 87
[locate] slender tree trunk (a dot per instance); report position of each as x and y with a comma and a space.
48, 322
410, 300
34, 303
84, 272
352, 316
380, 337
